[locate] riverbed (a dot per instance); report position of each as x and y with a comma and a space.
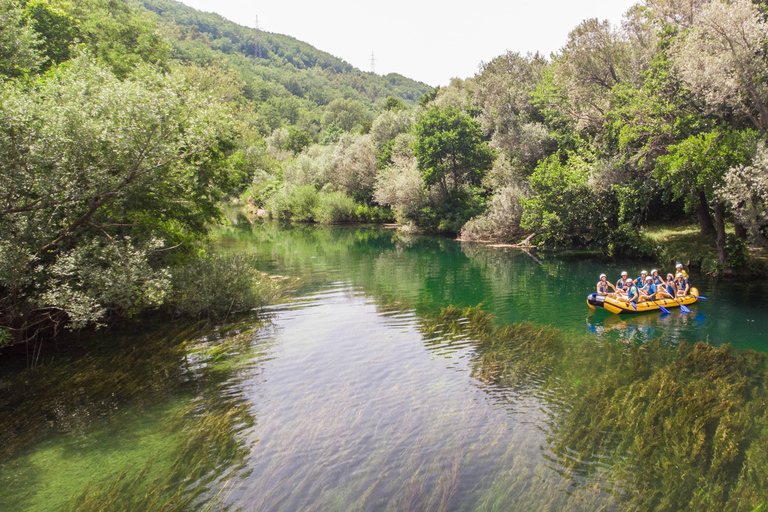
404, 373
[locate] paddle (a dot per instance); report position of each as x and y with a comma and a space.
699, 297
663, 309
684, 309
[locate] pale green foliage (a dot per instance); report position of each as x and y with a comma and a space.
457, 94
311, 167
296, 203
745, 188
334, 208
681, 13
344, 113
597, 57
348, 166
100, 276
721, 57
276, 144
215, 286
402, 186
502, 93
87, 160
502, 220
355, 166
18, 42
389, 125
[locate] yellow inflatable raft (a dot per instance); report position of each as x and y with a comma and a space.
622, 307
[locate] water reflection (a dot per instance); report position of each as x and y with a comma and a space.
430, 273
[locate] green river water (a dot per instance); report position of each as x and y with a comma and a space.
404, 373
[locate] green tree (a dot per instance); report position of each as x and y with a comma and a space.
695, 169
563, 208
56, 28
18, 42
450, 149
394, 105
97, 175
297, 140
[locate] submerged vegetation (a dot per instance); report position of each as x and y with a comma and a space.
660, 427
628, 426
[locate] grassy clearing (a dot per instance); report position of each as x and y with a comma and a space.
685, 243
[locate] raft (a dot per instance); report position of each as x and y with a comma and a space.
622, 307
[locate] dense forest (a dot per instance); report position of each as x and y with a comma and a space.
125, 125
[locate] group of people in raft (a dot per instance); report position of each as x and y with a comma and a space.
646, 287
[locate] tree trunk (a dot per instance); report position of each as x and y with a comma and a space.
705, 219
740, 229
762, 239
722, 256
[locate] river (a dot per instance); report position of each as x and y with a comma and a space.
405, 373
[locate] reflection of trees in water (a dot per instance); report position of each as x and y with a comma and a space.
138, 391
656, 427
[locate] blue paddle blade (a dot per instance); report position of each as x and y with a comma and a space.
664, 310
684, 309
700, 297
633, 306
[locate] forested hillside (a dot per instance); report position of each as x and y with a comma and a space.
285, 80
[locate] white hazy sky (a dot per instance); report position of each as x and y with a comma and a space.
427, 41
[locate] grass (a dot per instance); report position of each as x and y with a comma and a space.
686, 243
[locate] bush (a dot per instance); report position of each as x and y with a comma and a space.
215, 286
366, 213
449, 214
627, 241
294, 203
502, 220
335, 208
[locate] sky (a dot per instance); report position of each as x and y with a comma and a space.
432, 42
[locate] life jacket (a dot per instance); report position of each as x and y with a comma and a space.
651, 289
672, 288
658, 280
620, 285
640, 281
602, 287
632, 293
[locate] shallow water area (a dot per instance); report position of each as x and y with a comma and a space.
380, 385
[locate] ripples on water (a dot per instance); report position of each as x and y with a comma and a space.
359, 394
356, 409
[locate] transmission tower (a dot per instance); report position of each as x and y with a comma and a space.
373, 63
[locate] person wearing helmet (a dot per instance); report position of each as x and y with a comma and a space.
632, 292
668, 287
679, 268
620, 284
657, 280
648, 291
682, 284
602, 286
640, 281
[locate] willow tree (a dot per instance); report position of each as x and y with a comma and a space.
721, 57
97, 175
